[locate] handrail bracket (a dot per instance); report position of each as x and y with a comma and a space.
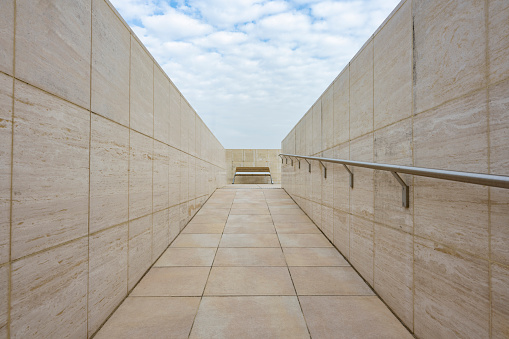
324, 169
404, 189
309, 165
351, 175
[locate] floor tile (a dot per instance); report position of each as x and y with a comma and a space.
197, 240
204, 228
151, 317
249, 211
250, 218
249, 317
286, 211
212, 219
249, 205
183, 256
296, 228
172, 281
249, 281
249, 257
350, 317
304, 240
328, 281
290, 218
316, 256
249, 240
249, 228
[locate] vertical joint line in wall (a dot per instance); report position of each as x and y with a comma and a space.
129, 167
89, 157
9, 283
413, 163
153, 159
488, 135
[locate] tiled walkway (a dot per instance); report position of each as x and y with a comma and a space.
240, 269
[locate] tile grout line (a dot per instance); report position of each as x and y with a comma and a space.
208, 276
290, 274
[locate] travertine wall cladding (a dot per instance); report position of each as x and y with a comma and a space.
253, 158
102, 163
430, 89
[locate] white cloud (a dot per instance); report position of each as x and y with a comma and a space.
252, 68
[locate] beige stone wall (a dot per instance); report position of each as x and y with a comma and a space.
253, 158
430, 89
102, 162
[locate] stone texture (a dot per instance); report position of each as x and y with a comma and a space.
393, 68
224, 281
449, 55
393, 145
4, 297
140, 252
204, 228
174, 116
328, 281
240, 317
140, 175
453, 137
499, 164
142, 90
172, 281
160, 233
316, 121
53, 47
393, 277
108, 274
341, 179
249, 228
174, 176
6, 88
499, 301
175, 256
342, 232
341, 98
52, 145
296, 228
362, 247
249, 240
160, 179
249, 257
7, 36
451, 293
151, 317
109, 164
110, 64
327, 118
312, 256
49, 293
498, 37
348, 317
361, 92
361, 196
197, 240
162, 106
303, 240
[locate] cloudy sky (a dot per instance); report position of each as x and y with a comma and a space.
252, 68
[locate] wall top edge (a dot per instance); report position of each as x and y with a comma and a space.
155, 62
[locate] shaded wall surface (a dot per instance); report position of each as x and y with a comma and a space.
430, 89
253, 158
102, 162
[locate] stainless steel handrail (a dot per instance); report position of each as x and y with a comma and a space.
491, 180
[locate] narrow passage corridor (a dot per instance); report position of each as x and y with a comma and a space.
251, 264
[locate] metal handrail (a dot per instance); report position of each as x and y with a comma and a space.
491, 180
